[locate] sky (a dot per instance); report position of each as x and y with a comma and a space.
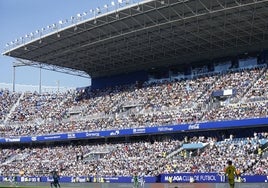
21, 17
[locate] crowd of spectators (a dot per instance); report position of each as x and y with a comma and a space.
147, 157
153, 104
47, 106
74, 160
258, 91
7, 100
246, 154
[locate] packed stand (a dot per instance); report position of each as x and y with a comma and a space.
154, 104
239, 81
7, 100
35, 106
148, 157
258, 92
246, 155
46, 108
238, 111
73, 160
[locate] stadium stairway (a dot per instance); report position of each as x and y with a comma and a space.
265, 150
188, 146
13, 108
18, 157
175, 152
265, 154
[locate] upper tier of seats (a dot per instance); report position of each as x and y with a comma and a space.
152, 104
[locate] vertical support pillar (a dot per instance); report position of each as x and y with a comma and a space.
14, 76
40, 80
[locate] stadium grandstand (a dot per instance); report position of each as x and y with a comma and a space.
178, 87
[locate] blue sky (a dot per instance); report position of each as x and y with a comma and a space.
21, 17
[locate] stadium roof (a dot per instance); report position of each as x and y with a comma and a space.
152, 33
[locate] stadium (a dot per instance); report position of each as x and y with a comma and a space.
179, 87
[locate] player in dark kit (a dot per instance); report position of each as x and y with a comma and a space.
231, 173
135, 181
56, 178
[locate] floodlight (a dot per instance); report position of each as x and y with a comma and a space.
72, 18
79, 15
26, 36
7, 44
37, 31
32, 34
43, 29
60, 22
120, 1
98, 10
112, 3
91, 10
84, 13
105, 6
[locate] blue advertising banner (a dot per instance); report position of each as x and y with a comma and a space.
185, 178
2, 140
128, 179
256, 178
79, 179
208, 178
164, 178
138, 131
